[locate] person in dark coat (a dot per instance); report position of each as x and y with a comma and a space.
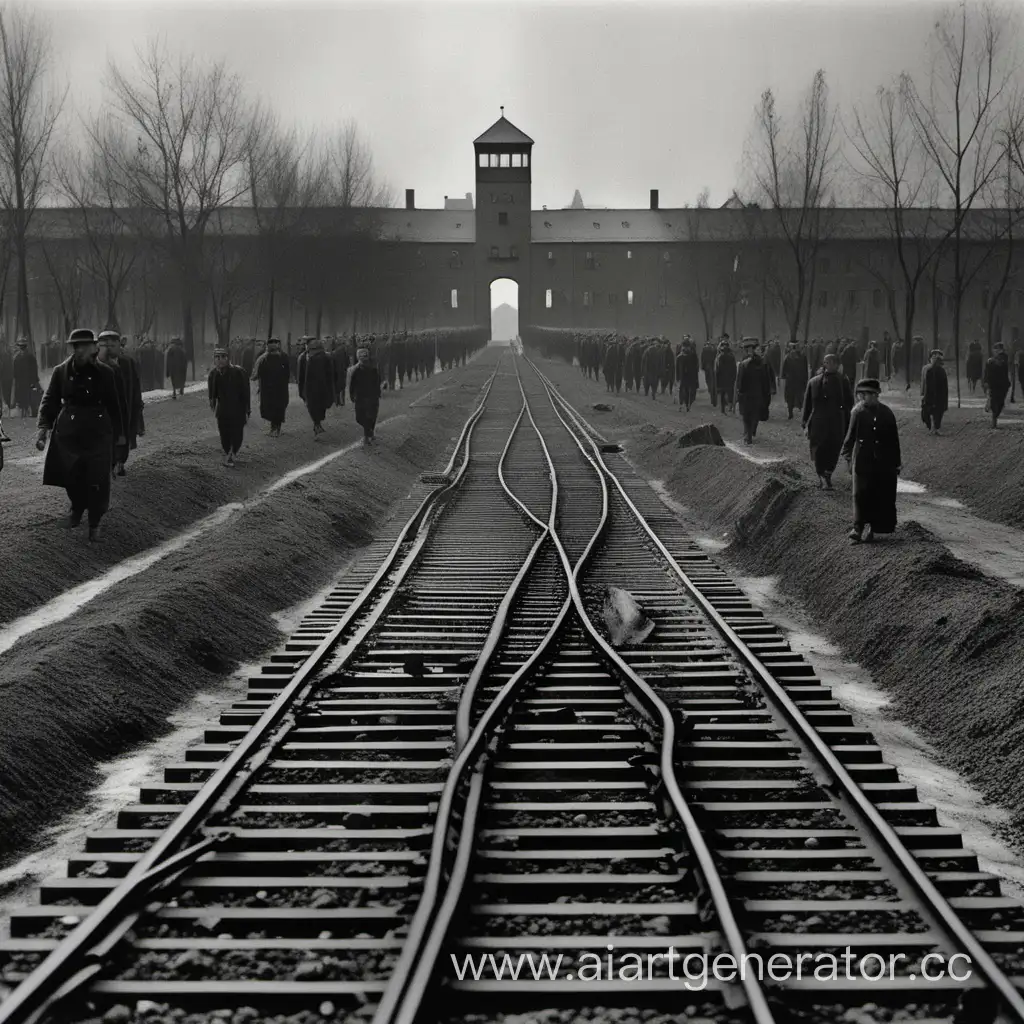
316, 383
364, 390
794, 371
175, 367
340, 361
131, 388
82, 410
996, 382
228, 387
934, 393
753, 389
687, 373
872, 450
271, 372
975, 366
828, 402
708, 354
725, 375
873, 361
6, 376
25, 370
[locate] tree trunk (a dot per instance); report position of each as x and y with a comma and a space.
23, 326
270, 311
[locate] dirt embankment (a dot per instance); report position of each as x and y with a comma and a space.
175, 477
84, 690
981, 467
943, 639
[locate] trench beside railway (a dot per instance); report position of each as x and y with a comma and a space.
450, 759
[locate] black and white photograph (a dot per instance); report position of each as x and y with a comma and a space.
511, 512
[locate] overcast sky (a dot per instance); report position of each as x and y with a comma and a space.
619, 98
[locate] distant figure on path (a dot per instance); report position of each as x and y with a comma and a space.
316, 383
934, 393
872, 450
228, 387
687, 373
364, 390
175, 367
81, 407
996, 382
827, 406
271, 372
25, 370
794, 370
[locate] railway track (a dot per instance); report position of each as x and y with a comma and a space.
450, 760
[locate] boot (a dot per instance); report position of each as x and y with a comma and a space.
75, 519
94, 533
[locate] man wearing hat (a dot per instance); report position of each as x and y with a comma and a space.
794, 372
316, 383
271, 373
25, 370
934, 392
81, 407
129, 390
228, 387
753, 389
364, 390
872, 450
175, 367
827, 406
687, 373
725, 375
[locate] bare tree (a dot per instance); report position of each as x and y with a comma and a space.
192, 129
893, 166
703, 292
957, 122
793, 176
88, 181
29, 113
288, 178
352, 180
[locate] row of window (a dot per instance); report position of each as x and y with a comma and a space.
504, 159
942, 301
588, 298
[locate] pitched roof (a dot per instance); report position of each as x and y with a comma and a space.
503, 132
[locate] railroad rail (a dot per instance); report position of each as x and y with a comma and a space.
451, 759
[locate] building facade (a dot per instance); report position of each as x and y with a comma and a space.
638, 271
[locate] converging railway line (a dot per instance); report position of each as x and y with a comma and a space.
450, 770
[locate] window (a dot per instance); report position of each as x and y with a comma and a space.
517, 159
586, 298
629, 254
526, 160
504, 160
547, 299
590, 261
494, 252
513, 253
629, 298
822, 299
666, 256
551, 255
823, 266
662, 300
876, 298
503, 217
494, 159
455, 298
494, 197
483, 159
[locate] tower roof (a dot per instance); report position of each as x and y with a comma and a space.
503, 132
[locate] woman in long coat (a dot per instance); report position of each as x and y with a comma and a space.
82, 409
827, 405
872, 449
271, 373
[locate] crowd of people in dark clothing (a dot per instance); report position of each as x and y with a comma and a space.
841, 418
91, 414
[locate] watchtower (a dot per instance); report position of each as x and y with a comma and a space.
504, 156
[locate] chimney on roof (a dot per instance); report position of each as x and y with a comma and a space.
446, 199
654, 198
410, 199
